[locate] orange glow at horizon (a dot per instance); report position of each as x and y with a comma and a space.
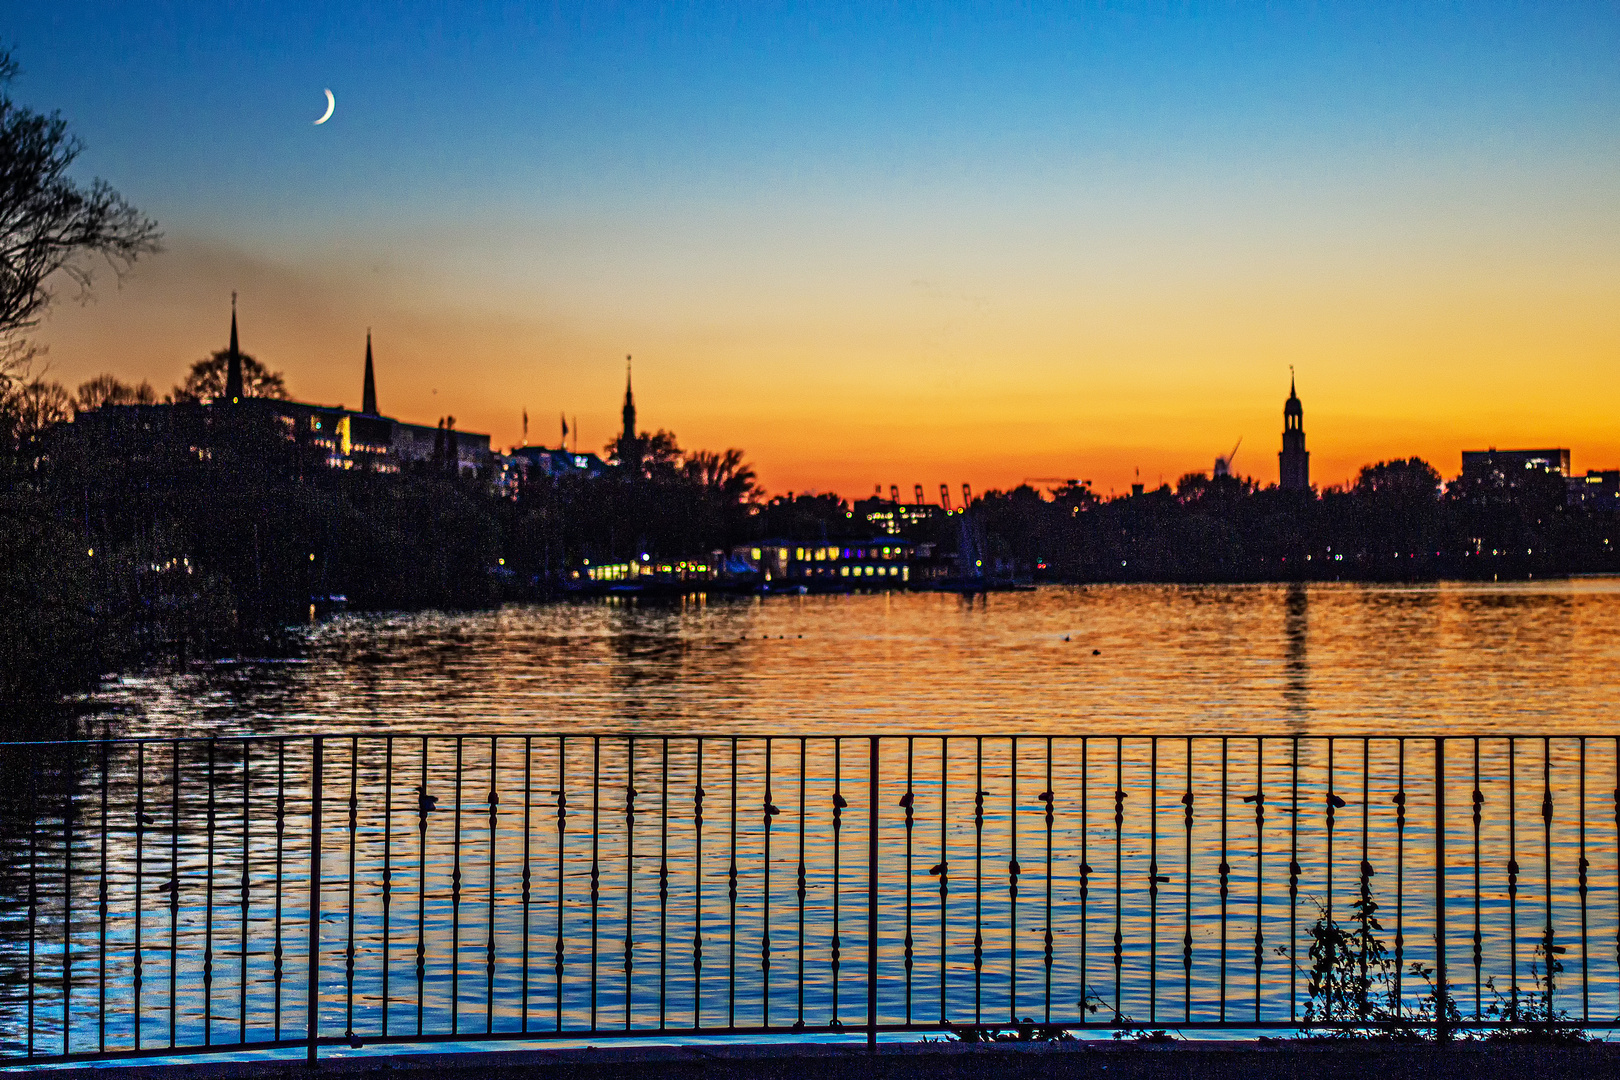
879, 246
842, 381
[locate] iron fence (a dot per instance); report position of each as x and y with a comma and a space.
195, 895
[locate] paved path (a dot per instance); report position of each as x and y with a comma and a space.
1282, 1060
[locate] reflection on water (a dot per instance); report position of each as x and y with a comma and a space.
1165, 659
1296, 688
585, 884
1151, 843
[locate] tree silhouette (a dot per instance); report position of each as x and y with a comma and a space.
724, 475
30, 408
48, 223
206, 380
652, 457
1412, 480
108, 390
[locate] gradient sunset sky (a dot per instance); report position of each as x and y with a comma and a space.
879, 244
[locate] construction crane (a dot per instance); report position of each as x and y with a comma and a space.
919, 495
945, 497
1060, 481
1223, 465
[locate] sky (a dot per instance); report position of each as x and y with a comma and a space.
877, 244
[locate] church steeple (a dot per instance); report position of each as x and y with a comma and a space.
1294, 463
368, 403
233, 364
629, 436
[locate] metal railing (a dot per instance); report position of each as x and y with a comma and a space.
194, 895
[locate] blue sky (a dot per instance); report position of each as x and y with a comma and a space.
479, 103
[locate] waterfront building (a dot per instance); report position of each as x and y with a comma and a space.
1528, 479
557, 462
332, 435
893, 518
644, 573
1495, 468
523, 464
1597, 490
1294, 462
884, 562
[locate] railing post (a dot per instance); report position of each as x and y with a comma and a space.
872, 898
314, 897
1442, 989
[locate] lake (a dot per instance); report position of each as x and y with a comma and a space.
588, 816
1272, 659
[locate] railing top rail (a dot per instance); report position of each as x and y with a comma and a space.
887, 736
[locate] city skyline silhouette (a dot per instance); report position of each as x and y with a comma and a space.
875, 248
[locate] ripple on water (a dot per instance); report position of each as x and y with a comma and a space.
1133, 658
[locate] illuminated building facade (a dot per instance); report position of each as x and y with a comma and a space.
881, 563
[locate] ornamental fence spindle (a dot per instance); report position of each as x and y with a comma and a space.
1342, 842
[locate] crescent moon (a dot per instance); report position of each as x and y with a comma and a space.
331, 104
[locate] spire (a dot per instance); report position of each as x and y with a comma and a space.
368, 403
233, 365
629, 406
1294, 463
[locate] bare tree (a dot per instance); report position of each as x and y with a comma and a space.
206, 380
49, 225
108, 390
30, 408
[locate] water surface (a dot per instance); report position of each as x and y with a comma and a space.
1274, 659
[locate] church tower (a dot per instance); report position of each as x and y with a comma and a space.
233, 364
1294, 463
368, 399
629, 436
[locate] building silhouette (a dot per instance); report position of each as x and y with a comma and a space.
368, 398
1510, 468
1294, 462
328, 435
629, 406
233, 364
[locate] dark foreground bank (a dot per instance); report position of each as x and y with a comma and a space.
1282, 1060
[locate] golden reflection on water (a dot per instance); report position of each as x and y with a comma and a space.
1170, 662
1278, 659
